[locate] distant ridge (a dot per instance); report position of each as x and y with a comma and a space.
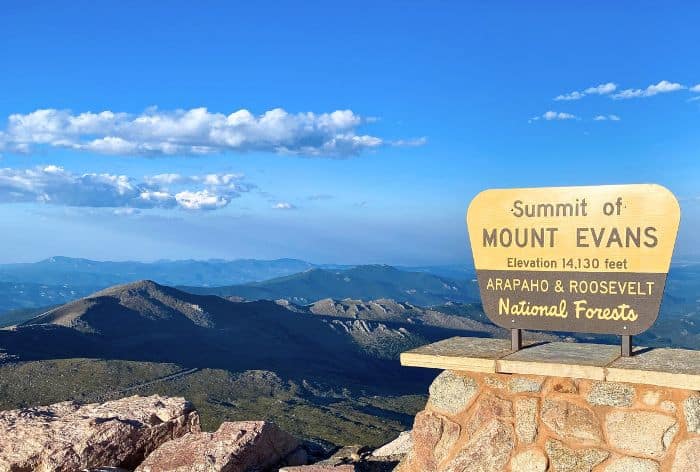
60, 270
362, 282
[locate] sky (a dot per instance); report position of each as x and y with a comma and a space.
354, 132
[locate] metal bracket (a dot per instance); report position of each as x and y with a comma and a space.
516, 339
626, 348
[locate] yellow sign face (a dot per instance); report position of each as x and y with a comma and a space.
579, 259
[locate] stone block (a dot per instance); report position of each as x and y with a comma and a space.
640, 432
526, 419
611, 394
691, 408
467, 354
487, 451
632, 464
675, 368
433, 437
525, 384
571, 421
565, 459
687, 458
488, 408
451, 392
560, 359
531, 460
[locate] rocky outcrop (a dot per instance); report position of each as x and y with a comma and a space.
398, 447
234, 447
68, 437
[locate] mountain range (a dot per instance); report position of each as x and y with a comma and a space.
361, 282
58, 280
336, 357
323, 343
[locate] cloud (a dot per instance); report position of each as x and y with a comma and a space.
194, 132
554, 115
283, 206
662, 87
695, 88
56, 186
201, 200
606, 118
570, 96
602, 89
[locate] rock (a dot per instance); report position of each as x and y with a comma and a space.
346, 455
488, 408
68, 437
571, 421
639, 432
526, 419
565, 459
398, 447
632, 464
687, 457
525, 384
559, 385
611, 394
494, 382
319, 468
433, 437
452, 392
532, 460
487, 451
234, 447
691, 407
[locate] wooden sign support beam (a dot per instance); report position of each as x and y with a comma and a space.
626, 346
516, 339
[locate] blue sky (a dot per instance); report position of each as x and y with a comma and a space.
122, 135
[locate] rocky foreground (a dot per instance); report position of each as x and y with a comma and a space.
162, 434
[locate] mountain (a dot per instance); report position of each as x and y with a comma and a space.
337, 373
145, 321
84, 272
58, 280
361, 282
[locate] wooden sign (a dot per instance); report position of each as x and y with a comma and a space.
579, 259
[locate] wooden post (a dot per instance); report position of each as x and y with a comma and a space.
626, 346
516, 339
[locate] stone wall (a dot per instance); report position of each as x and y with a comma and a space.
506, 422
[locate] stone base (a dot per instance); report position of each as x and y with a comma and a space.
489, 422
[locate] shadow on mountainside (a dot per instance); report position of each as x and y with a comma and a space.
147, 322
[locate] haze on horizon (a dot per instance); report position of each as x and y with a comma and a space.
343, 134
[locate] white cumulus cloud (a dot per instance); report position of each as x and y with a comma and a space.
602, 89
194, 132
283, 206
54, 185
662, 87
606, 118
554, 116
